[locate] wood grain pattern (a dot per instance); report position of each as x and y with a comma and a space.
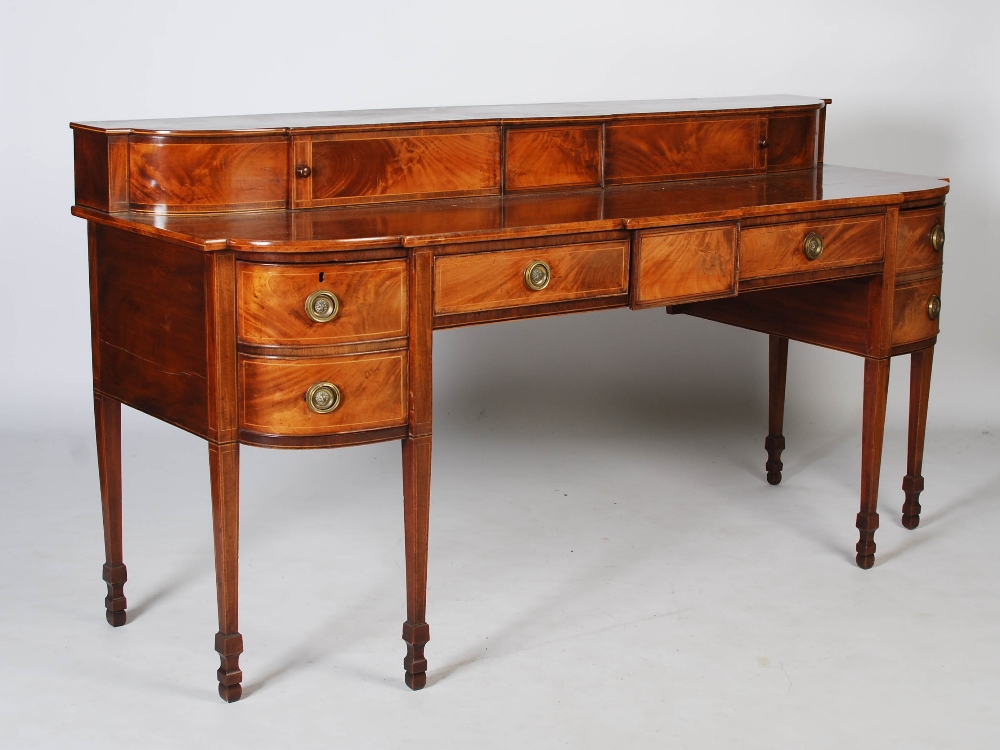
913, 481
416, 516
774, 250
404, 164
208, 174
100, 168
910, 321
224, 472
488, 281
372, 296
220, 347
373, 393
837, 191
549, 157
777, 369
108, 422
684, 263
153, 335
832, 314
792, 141
914, 251
872, 430
678, 148
421, 343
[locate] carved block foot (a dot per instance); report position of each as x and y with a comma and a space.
416, 636
867, 524
912, 486
229, 647
115, 602
774, 444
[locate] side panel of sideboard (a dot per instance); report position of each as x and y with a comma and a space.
164, 329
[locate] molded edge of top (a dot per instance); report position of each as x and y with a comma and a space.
279, 123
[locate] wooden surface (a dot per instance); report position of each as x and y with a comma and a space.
271, 302
401, 165
333, 230
915, 252
207, 174
425, 219
684, 263
487, 281
913, 481
772, 250
372, 387
552, 157
415, 115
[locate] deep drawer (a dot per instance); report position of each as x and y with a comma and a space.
274, 302
371, 389
496, 280
915, 250
913, 311
779, 248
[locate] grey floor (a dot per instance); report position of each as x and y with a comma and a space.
604, 572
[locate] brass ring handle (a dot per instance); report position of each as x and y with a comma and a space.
323, 398
812, 246
934, 307
537, 275
322, 306
937, 238
303, 171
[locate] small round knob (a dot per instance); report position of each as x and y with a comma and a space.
937, 238
323, 398
322, 306
933, 307
537, 275
763, 143
812, 246
303, 171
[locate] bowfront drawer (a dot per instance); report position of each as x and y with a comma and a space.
321, 304
322, 395
915, 311
810, 245
920, 239
684, 264
521, 277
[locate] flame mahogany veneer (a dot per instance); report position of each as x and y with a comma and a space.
209, 240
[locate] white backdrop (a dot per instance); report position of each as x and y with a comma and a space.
914, 87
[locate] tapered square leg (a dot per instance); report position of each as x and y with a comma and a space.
775, 442
224, 465
416, 513
108, 423
873, 426
913, 482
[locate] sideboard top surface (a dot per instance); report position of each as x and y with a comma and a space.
489, 113
468, 219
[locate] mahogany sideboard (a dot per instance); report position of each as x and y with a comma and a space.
300, 264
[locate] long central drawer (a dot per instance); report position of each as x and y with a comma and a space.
503, 279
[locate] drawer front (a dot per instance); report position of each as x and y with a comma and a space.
496, 280
372, 393
685, 263
778, 249
911, 320
676, 148
371, 300
397, 164
914, 249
